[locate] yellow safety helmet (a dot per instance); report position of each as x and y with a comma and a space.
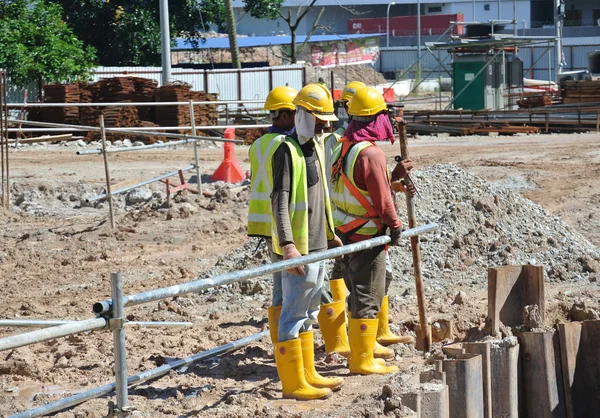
281, 97
316, 99
366, 102
350, 90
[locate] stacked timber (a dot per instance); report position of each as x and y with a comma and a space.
61, 93
539, 100
173, 115
116, 89
580, 91
206, 114
144, 92
88, 93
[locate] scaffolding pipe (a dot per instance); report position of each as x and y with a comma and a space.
134, 130
138, 378
136, 104
140, 148
116, 324
140, 184
47, 323
40, 335
145, 130
235, 276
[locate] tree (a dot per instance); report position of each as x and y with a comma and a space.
271, 9
231, 31
35, 44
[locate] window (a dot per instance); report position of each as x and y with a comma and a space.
486, 7
434, 9
596, 17
573, 18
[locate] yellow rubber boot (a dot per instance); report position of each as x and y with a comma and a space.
362, 343
380, 351
338, 289
273, 314
288, 356
385, 336
311, 375
332, 322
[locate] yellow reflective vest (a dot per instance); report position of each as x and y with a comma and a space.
261, 184
298, 206
350, 214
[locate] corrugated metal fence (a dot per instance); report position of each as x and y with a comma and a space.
535, 60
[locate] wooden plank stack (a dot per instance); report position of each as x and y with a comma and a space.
61, 93
173, 115
205, 115
580, 91
144, 92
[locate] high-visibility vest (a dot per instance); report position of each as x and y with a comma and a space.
261, 184
328, 145
354, 212
298, 206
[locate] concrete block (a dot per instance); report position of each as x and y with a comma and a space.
434, 401
412, 400
542, 382
464, 376
580, 360
510, 289
504, 366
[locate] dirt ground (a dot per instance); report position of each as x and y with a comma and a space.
56, 259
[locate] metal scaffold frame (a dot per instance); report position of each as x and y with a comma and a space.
111, 316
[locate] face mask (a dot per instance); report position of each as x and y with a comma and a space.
305, 125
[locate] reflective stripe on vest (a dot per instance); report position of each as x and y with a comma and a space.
298, 206
330, 142
350, 213
261, 184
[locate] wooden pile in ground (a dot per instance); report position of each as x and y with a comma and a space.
61, 93
580, 91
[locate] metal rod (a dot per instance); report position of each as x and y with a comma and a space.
136, 104
3, 139
196, 159
140, 184
40, 335
140, 148
116, 323
47, 323
137, 130
165, 41
138, 378
235, 276
107, 174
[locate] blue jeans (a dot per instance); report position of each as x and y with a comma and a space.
277, 292
301, 300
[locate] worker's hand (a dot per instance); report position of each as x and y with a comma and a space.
395, 235
411, 190
290, 252
402, 169
335, 242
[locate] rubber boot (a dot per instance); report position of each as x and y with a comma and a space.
311, 375
363, 333
338, 290
385, 336
273, 314
288, 356
332, 323
380, 351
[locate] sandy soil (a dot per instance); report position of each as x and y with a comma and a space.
56, 260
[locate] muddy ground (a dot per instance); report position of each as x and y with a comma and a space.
57, 253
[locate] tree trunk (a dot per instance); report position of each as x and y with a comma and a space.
235, 53
293, 57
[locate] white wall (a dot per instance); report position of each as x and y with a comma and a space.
523, 10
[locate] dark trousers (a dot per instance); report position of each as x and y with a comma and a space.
365, 276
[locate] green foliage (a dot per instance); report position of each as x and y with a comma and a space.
263, 9
36, 44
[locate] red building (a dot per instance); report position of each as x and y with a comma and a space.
407, 25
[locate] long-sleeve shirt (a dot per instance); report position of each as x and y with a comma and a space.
371, 174
280, 199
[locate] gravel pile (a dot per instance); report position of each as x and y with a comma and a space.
483, 225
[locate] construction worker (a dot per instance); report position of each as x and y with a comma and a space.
364, 208
332, 318
280, 105
302, 224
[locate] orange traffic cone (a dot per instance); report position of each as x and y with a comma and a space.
229, 171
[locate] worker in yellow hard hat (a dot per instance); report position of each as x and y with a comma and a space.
302, 224
282, 110
365, 208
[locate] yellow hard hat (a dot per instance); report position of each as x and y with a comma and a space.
281, 97
317, 100
350, 89
366, 102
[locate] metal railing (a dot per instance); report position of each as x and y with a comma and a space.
111, 316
